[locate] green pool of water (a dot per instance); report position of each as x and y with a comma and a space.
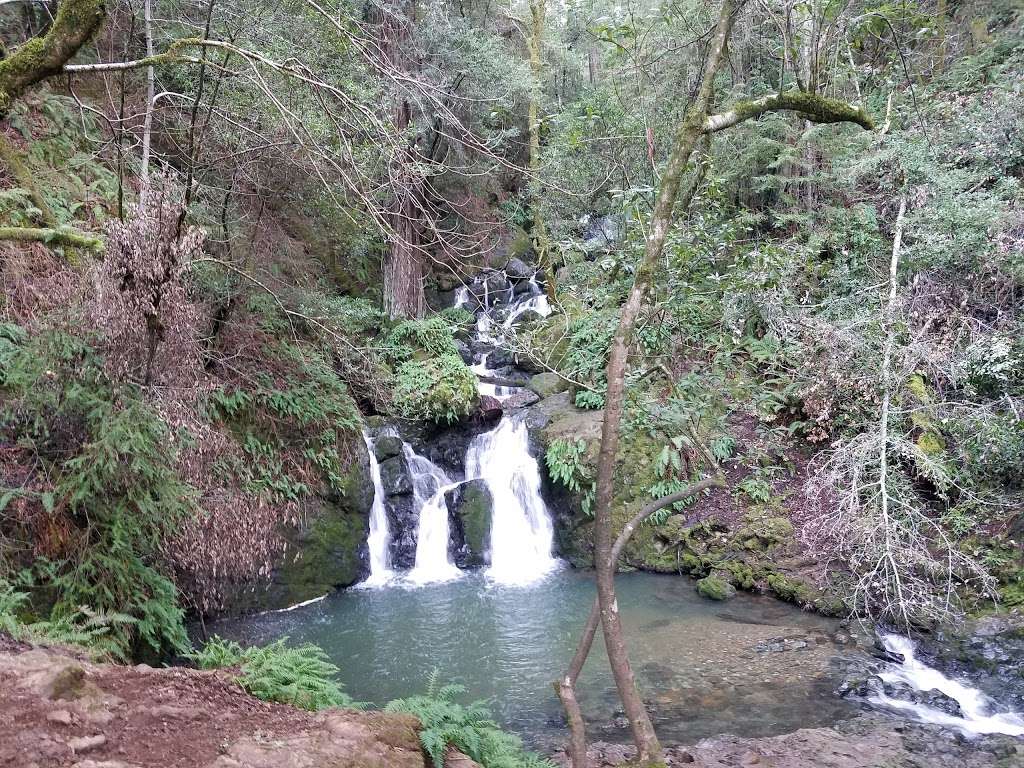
751, 666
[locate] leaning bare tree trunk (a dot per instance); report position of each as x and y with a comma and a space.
566, 687
697, 123
690, 132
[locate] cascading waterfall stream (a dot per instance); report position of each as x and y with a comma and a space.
521, 529
379, 540
430, 483
975, 707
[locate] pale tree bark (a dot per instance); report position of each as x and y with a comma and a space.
695, 125
147, 125
566, 687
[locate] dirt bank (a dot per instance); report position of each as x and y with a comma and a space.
57, 709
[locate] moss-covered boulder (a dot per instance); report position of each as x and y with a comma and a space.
715, 588
471, 506
547, 384
386, 446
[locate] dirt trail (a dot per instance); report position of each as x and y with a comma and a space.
59, 710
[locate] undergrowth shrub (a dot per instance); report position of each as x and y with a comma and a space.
301, 676
468, 727
84, 629
93, 489
440, 389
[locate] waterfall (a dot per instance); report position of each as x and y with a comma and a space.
462, 297
521, 529
379, 539
538, 303
975, 706
429, 485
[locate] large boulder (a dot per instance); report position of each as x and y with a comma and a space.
490, 408
547, 384
402, 525
387, 446
517, 269
714, 587
471, 507
394, 476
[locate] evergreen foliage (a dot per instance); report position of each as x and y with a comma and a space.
300, 675
467, 727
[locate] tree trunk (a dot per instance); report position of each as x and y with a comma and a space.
43, 57
403, 265
147, 125
690, 132
697, 124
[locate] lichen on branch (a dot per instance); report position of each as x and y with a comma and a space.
817, 109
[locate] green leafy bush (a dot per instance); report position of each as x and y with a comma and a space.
440, 389
469, 728
105, 500
566, 460
301, 676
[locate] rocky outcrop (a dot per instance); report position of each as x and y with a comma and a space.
324, 549
59, 710
471, 505
868, 741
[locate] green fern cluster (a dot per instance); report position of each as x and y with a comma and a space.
301, 676
86, 629
469, 728
112, 495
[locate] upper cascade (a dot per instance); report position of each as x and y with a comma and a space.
521, 530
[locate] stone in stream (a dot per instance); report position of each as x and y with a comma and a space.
394, 476
471, 506
521, 399
500, 358
517, 269
547, 384
386, 446
715, 588
490, 408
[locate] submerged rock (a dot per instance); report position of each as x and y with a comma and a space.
715, 588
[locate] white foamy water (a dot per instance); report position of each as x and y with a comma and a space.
522, 533
430, 483
379, 540
976, 708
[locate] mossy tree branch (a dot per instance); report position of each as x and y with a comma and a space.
817, 109
52, 236
43, 57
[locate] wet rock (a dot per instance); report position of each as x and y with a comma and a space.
387, 446
528, 316
465, 352
446, 281
490, 408
517, 269
471, 506
547, 384
715, 588
500, 358
523, 286
521, 399
402, 524
940, 701
394, 476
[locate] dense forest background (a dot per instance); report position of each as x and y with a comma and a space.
233, 232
